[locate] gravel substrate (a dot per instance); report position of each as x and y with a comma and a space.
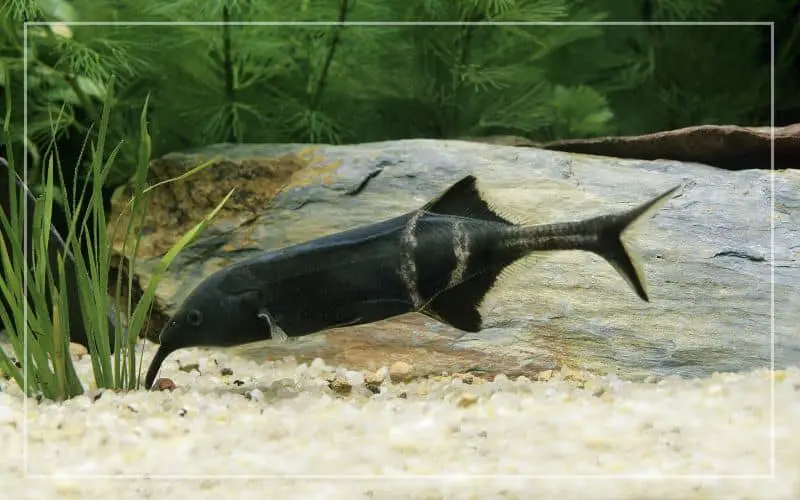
230, 417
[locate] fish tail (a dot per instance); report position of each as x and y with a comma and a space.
599, 235
608, 242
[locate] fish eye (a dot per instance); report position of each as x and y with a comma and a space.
194, 317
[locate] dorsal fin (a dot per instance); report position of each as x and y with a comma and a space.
464, 199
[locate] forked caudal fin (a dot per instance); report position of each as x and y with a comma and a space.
609, 242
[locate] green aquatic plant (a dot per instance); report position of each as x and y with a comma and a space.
37, 322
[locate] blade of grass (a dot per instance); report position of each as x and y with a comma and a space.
95, 296
49, 335
11, 285
67, 382
140, 199
97, 241
100, 364
40, 335
10, 302
71, 383
58, 355
56, 348
131, 274
77, 231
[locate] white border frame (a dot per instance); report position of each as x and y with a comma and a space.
773, 464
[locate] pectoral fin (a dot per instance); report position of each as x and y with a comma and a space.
276, 333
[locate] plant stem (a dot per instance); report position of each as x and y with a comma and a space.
337, 30
228, 69
464, 41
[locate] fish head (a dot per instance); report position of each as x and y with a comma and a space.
211, 317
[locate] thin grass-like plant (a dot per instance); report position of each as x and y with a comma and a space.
81, 261
45, 359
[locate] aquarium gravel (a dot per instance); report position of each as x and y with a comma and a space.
227, 427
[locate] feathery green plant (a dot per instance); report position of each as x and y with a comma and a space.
350, 84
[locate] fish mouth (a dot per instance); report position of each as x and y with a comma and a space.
155, 365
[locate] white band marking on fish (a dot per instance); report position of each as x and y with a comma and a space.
408, 267
461, 250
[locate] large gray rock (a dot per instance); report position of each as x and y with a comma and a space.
706, 256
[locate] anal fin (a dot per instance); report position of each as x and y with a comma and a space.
458, 306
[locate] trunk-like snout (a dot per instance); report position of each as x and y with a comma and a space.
155, 365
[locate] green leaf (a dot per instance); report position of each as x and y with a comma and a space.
580, 111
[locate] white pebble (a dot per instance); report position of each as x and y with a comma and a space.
6, 413
356, 379
255, 395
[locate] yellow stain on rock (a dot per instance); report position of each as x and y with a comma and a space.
175, 207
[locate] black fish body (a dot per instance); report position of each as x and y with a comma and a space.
440, 260
369, 273
359, 269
